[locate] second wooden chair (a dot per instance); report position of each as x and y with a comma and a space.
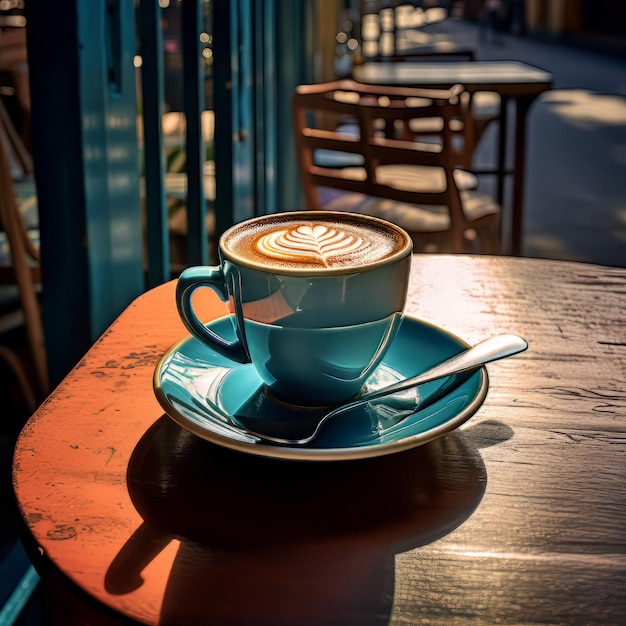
387, 174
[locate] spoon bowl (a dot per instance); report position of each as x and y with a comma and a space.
489, 350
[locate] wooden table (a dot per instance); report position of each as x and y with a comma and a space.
512, 80
517, 517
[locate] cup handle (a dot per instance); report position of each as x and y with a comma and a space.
214, 278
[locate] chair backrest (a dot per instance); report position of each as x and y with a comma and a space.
22, 267
366, 129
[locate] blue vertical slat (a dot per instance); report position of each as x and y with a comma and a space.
233, 85
225, 65
85, 156
193, 80
262, 50
57, 157
152, 86
294, 58
245, 196
265, 108
107, 47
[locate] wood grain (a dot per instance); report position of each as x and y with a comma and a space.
516, 518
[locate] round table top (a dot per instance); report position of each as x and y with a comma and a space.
516, 517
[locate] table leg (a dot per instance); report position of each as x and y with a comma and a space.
517, 214
501, 163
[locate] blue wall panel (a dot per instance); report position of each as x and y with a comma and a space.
85, 155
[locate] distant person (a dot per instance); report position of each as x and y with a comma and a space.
490, 18
516, 26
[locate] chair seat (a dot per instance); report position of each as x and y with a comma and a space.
413, 177
411, 217
420, 178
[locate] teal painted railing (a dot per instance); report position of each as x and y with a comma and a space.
91, 170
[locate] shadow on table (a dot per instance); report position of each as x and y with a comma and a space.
291, 542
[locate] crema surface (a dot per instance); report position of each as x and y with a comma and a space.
317, 243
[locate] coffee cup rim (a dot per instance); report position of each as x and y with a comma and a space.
405, 250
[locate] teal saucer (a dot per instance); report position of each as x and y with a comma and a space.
210, 396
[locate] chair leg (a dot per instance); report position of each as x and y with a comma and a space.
34, 327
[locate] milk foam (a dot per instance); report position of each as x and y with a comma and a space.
316, 243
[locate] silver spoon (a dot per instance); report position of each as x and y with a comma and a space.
493, 349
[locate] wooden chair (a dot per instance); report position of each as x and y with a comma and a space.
20, 271
411, 183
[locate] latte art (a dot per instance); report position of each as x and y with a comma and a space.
314, 243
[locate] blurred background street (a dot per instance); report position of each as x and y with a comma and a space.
575, 201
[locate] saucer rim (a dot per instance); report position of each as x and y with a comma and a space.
301, 453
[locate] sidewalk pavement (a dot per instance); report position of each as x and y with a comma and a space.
575, 192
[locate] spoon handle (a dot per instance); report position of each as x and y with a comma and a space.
491, 349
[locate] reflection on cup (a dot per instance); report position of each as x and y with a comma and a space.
302, 365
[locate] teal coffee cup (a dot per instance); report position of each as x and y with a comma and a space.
316, 300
